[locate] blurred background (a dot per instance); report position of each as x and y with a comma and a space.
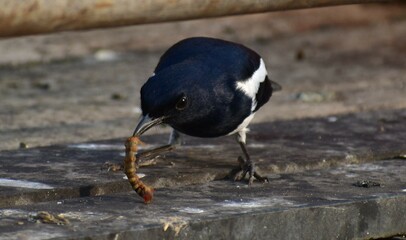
80, 86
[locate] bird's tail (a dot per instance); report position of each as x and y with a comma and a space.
275, 86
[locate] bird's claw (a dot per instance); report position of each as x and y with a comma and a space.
247, 167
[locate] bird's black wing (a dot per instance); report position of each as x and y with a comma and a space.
185, 49
264, 93
231, 57
266, 88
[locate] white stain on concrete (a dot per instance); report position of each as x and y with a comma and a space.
94, 146
332, 119
191, 210
12, 213
256, 203
106, 55
364, 167
204, 146
257, 145
5, 182
140, 175
351, 175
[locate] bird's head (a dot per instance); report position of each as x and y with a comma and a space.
172, 97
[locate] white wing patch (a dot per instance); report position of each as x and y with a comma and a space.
242, 128
251, 85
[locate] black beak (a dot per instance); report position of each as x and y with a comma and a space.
146, 123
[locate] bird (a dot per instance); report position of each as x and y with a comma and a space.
207, 87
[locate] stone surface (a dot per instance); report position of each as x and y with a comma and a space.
77, 170
321, 204
314, 166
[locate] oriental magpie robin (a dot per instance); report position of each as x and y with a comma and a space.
206, 87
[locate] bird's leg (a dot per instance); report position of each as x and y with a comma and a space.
246, 165
142, 156
175, 139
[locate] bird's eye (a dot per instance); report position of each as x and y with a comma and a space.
182, 103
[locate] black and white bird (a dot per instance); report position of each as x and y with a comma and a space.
206, 87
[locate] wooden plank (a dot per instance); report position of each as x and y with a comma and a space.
24, 17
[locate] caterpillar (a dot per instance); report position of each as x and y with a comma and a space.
131, 147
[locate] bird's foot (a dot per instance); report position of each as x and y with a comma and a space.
151, 155
119, 167
247, 167
113, 167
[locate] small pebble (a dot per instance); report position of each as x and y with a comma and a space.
105, 55
300, 55
315, 97
118, 96
41, 85
332, 119
366, 184
23, 145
